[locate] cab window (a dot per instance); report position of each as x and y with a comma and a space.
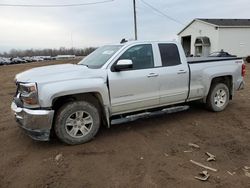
141, 56
169, 55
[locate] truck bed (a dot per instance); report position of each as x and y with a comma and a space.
203, 69
192, 60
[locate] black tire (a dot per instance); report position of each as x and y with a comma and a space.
67, 113
211, 101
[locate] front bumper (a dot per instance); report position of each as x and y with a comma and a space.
36, 123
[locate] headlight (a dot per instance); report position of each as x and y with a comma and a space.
28, 94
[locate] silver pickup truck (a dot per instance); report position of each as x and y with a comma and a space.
74, 100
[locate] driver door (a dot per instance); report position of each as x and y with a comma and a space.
136, 88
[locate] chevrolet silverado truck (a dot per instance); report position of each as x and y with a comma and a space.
115, 81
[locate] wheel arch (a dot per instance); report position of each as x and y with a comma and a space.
226, 79
93, 97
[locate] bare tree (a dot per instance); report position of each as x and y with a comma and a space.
48, 52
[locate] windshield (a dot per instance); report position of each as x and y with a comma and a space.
100, 56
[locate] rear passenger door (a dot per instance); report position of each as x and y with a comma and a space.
173, 76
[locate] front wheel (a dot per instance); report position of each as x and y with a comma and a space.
218, 97
77, 122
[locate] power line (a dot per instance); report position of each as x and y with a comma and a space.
53, 5
169, 17
162, 13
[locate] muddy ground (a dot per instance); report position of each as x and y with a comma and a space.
150, 152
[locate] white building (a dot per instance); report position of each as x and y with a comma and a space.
203, 36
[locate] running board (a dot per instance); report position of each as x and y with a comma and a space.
134, 117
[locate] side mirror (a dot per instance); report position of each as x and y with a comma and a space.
123, 64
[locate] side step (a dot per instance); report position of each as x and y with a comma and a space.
146, 114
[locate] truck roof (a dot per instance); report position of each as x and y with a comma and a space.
144, 41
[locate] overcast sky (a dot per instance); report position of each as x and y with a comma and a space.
95, 25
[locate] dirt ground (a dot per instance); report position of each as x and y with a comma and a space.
151, 152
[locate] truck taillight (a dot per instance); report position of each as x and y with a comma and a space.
243, 70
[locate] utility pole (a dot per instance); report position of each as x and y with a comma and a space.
135, 21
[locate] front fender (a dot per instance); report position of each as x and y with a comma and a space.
49, 91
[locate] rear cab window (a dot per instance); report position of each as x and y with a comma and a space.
169, 54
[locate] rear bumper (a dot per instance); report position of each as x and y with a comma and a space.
36, 123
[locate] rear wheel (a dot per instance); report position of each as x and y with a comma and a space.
218, 97
77, 122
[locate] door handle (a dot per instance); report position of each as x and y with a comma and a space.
182, 72
150, 75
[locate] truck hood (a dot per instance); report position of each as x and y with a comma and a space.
56, 73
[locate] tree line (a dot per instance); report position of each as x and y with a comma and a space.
48, 52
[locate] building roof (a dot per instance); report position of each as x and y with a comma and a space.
221, 23
227, 22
